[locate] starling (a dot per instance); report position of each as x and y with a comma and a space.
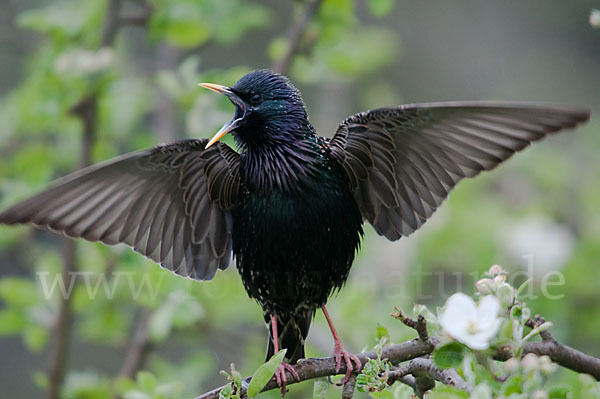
289, 204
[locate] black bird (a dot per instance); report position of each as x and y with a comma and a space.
290, 204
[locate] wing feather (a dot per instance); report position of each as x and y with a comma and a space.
171, 203
403, 161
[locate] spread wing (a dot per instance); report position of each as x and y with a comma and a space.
403, 161
171, 203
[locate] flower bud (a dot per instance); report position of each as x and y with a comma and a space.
501, 279
545, 326
496, 270
511, 365
530, 363
546, 365
506, 294
485, 286
539, 394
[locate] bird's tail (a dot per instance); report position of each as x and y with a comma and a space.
292, 330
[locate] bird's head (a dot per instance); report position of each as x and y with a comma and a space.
268, 107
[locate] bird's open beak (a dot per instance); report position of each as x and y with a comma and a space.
236, 100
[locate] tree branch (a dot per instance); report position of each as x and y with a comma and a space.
321, 367
537, 321
416, 373
111, 22
62, 327
295, 35
139, 18
348, 389
424, 370
139, 347
419, 325
86, 111
560, 354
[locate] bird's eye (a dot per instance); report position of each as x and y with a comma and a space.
255, 99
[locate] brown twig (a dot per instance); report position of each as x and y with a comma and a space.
348, 389
561, 354
111, 22
138, 18
295, 35
420, 325
424, 371
536, 322
566, 357
86, 110
138, 347
62, 326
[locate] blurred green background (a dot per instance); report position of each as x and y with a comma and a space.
537, 215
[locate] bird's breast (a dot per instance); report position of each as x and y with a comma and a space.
293, 247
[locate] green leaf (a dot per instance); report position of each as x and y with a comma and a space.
59, 20
226, 392
340, 8
161, 323
12, 321
385, 394
106, 324
449, 355
85, 384
187, 33
18, 291
35, 337
182, 23
363, 52
513, 385
559, 392
146, 381
506, 294
381, 8
264, 373
238, 19
277, 48
382, 332
40, 380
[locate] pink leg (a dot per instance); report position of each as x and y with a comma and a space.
339, 352
280, 375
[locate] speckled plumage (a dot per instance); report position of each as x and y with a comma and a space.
290, 204
297, 226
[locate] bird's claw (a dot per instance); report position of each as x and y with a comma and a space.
281, 377
352, 362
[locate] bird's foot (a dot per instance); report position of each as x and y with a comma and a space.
350, 359
281, 377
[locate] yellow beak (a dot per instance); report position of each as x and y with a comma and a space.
215, 87
231, 125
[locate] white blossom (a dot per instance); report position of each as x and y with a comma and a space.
595, 18
80, 62
549, 244
469, 323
